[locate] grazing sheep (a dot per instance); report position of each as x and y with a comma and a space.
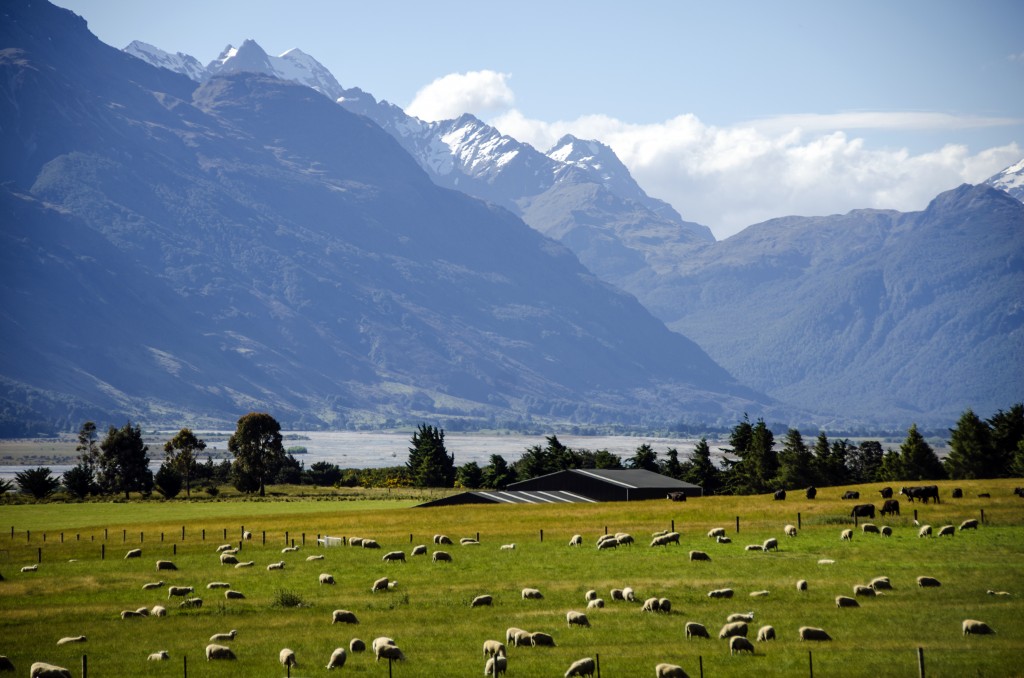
153, 585
867, 528
507, 547
666, 539
234, 595
998, 593
44, 670
247, 535
469, 541
326, 578
973, 627
165, 565
370, 544
219, 652
664, 605
813, 633
67, 640
595, 604
30, 568
356, 645
720, 593
886, 531
180, 591
223, 637
389, 652
539, 639
925, 531
496, 665
617, 594
970, 524
669, 671
247, 563
731, 629
723, 540
380, 641
532, 594
276, 566
610, 543
494, 648
289, 549
218, 585
864, 591
228, 559
740, 644
947, 531
381, 584
160, 656
741, 617
143, 611
812, 492
343, 617
846, 535
623, 539
590, 595
480, 601
699, 555
770, 544
880, 583
394, 556
419, 550
131, 614
628, 594
826, 561
801, 585
442, 539
441, 557
134, 553
716, 532
577, 540
581, 667
357, 541
514, 635
696, 630
753, 547
651, 605
765, 633
790, 530
191, 603
287, 658
159, 611
759, 594
846, 601
926, 582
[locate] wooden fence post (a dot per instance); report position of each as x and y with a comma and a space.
810, 664
920, 662
85, 666
542, 535
700, 663
737, 524
799, 525
597, 660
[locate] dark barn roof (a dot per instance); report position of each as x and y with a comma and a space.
506, 497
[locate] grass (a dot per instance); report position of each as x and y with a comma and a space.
428, 613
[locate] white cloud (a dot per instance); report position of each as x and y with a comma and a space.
477, 92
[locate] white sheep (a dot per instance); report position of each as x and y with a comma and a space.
153, 585
134, 553
218, 585
496, 665
947, 531
765, 633
214, 651
971, 524
926, 582
699, 555
165, 565
494, 648
287, 657
179, 591
976, 628
419, 550
846, 535
863, 591
720, 593
223, 637
228, 559
650, 605
380, 641
442, 539
514, 634
629, 594
162, 655
468, 541
441, 557
5, 663
741, 617
790, 530
753, 547
723, 540
581, 667
247, 563
577, 540
740, 644
738, 628
356, 645
880, 583
247, 535
316, 556
481, 601
507, 547
159, 611
30, 568
337, 659
609, 543
44, 670
759, 594
664, 605
716, 532
925, 531
624, 539
1005, 594
394, 556
801, 585
191, 603
370, 544
669, 671
595, 604
813, 633
532, 594
382, 584
390, 652
540, 639
869, 528
357, 541
343, 617
846, 601
770, 544
275, 566
224, 547
590, 595
575, 618
826, 561
696, 630
326, 578
616, 594
67, 640
231, 594
886, 531
131, 614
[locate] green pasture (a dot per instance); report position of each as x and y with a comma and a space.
76, 592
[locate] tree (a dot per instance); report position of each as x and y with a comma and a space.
644, 458
1007, 430
79, 481
324, 474
469, 475
429, 463
864, 463
124, 462
290, 472
6, 486
971, 452
758, 463
181, 453
672, 467
83, 476
259, 453
497, 474
168, 480
918, 459
1017, 463
892, 467
796, 464
702, 469
605, 459
37, 481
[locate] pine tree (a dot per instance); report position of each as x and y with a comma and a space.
497, 474
971, 452
671, 466
796, 464
1007, 429
703, 471
429, 463
124, 462
644, 458
918, 459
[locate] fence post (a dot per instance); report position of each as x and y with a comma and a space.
264, 537
39, 555
597, 660
982, 516
799, 525
920, 662
204, 534
183, 533
410, 537
286, 537
225, 533
85, 666
700, 663
103, 551
541, 538
175, 550
915, 515
61, 537
161, 537
810, 664
478, 536
184, 665
737, 524
673, 524
304, 539
28, 536
856, 519
104, 534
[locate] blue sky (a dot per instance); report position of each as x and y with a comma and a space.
733, 112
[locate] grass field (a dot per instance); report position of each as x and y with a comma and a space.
76, 592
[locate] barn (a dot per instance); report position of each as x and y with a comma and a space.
578, 486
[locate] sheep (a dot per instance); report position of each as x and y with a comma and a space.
770, 544
228, 559
813, 633
357, 541
696, 630
218, 585
159, 611
741, 617
513, 635
863, 591
539, 639
740, 644
765, 633
441, 557
699, 555
947, 531
926, 582
595, 604
790, 530
389, 652
234, 595
5, 663
480, 601
287, 658
394, 556
247, 535
247, 563
153, 585
214, 651
720, 593
44, 670
666, 539
356, 645
651, 605
867, 528
880, 583
628, 594
826, 561
67, 640
998, 593
624, 539
442, 539
326, 578
610, 543
494, 648
577, 540
419, 550
343, 617
130, 614
971, 524
664, 605
179, 591
160, 656
165, 565
223, 637
134, 553
723, 540
617, 594
532, 594
669, 671
976, 628
382, 584
275, 566
753, 547
142, 611
846, 601
731, 629
370, 544
380, 641
581, 667
496, 665
886, 531
289, 549
468, 541
507, 547
30, 568
590, 595
759, 594
925, 531
337, 660
659, 533
801, 585
716, 532
191, 603
846, 535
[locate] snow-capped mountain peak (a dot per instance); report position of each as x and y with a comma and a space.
179, 63
1010, 180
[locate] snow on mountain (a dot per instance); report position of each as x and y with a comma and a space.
178, 62
1010, 180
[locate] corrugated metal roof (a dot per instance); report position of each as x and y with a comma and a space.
628, 478
512, 497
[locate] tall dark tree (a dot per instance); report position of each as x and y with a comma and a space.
182, 454
672, 467
1017, 462
971, 452
83, 476
324, 474
38, 482
864, 462
469, 475
497, 474
796, 464
918, 459
168, 481
79, 481
124, 461
702, 470
645, 458
758, 463
429, 463
258, 449
1007, 429
892, 467
605, 459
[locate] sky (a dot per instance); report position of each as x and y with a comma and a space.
733, 112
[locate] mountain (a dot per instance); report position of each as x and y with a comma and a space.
1010, 180
181, 253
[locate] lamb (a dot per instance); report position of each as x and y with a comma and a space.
765, 633
971, 524
214, 651
159, 611
343, 617
846, 601
165, 565
720, 593
337, 660
228, 559
925, 531
287, 658
389, 652
153, 585
494, 648
741, 617
180, 591
441, 557
394, 556
928, 582
419, 550
539, 639
846, 535
234, 595
770, 544
590, 595
699, 555
886, 531
160, 656
480, 601
801, 585
67, 640
248, 563
723, 540
134, 553
880, 583
532, 594
947, 531
696, 630
973, 627
496, 665
468, 541
442, 539
218, 585
790, 530
326, 578
651, 605
740, 644
595, 604
813, 633
247, 535
289, 549
869, 528
356, 645
716, 532
581, 667
30, 568
998, 593
275, 566
223, 637
669, 671
731, 629
577, 540
44, 670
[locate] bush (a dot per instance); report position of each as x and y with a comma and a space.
168, 481
284, 598
38, 482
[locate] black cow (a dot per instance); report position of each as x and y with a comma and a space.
923, 493
1019, 491
886, 492
812, 492
676, 496
958, 493
851, 494
780, 495
863, 511
890, 507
